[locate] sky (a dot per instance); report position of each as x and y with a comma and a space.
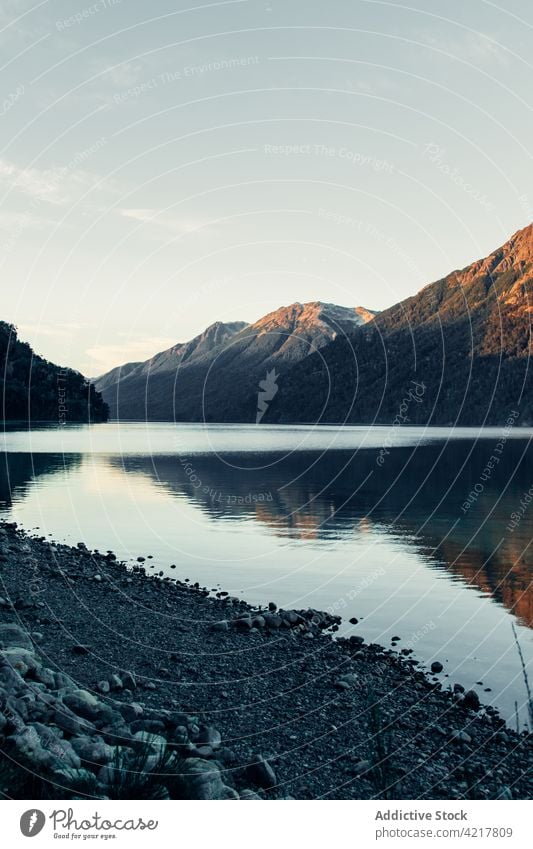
165, 165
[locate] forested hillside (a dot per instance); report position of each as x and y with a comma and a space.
33, 389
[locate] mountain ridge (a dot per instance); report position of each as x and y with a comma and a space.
465, 337
236, 351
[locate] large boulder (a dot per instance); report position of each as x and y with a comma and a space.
44, 750
93, 750
13, 636
203, 780
22, 660
83, 704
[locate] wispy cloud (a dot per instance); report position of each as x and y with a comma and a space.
10, 221
58, 186
475, 47
125, 75
16, 19
175, 226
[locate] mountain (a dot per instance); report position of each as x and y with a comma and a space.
457, 352
217, 376
169, 360
32, 389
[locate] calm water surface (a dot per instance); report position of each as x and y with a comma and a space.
413, 531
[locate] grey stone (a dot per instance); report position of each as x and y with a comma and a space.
362, 766
223, 625
461, 737
347, 681
261, 773
204, 780
45, 676
249, 795
180, 735
209, 736
70, 723
12, 636
81, 648
272, 620
83, 704
132, 711
11, 680
46, 750
19, 659
93, 750
471, 700
128, 680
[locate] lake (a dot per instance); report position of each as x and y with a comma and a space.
420, 533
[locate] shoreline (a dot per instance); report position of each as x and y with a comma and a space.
255, 703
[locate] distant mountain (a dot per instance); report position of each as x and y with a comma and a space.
32, 389
169, 360
217, 376
457, 352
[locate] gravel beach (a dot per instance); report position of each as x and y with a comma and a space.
100, 661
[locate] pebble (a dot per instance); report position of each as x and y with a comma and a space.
81, 649
223, 625
346, 682
461, 737
362, 766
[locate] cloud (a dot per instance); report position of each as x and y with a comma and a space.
105, 357
57, 186
166, 226
15, 19
474, 47
17, 221
125, 75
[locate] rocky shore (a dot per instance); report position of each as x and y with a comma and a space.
120, 683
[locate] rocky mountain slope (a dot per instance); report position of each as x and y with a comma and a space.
217, 376
457, 352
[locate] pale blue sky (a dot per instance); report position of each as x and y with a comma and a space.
162, 167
